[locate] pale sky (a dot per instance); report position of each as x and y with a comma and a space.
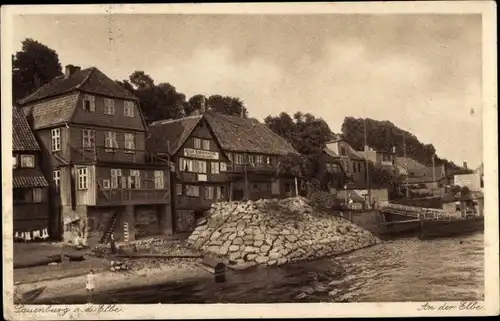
421, 72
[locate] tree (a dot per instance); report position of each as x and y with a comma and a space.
308, 135
32, 67
384, 135
227, 105
157, 102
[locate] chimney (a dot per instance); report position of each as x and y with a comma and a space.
70, 70
465, 165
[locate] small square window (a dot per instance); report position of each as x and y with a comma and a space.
27, 161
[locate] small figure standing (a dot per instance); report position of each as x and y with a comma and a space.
113, 244
90, 282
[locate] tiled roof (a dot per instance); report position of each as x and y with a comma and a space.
170, 135
90, 80
411, 165
246, 135
29, 181
23, 138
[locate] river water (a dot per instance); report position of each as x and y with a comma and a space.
398, 270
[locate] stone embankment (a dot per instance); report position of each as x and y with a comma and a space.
274, 232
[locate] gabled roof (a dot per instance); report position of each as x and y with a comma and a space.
411, 165
171, 134
351, 153
56, 102
238, 134
23, 138
330, 152
90, 80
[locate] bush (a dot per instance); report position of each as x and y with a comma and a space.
322, 200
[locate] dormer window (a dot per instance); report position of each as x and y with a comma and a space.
89, 103
342, 151
128, 109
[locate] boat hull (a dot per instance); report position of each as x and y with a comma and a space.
447, 228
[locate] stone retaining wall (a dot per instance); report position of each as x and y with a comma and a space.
274, 232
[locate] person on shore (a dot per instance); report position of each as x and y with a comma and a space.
90, 282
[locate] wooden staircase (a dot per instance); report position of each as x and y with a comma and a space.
111, 227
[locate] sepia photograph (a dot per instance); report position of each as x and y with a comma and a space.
242, 154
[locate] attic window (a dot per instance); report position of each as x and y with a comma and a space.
342, 151
109, 106
89, 103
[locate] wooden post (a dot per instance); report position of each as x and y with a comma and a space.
296, 187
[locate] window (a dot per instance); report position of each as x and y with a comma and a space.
192, 190
124, 182
186, 165
342, 151
206, 144
82, 178
251, 159
178, 189
209, 192
159, 179
89, 103
129, 142
220, 192
239, 159
88, 137
200, 167
231, 157
56, 139
38, 195
109, 106
134, 181
197, 143
105, 184
115, 173
56, 176
21, 195
128, 109
110, 141
268, 160
214, 168
14, 161
28, 161
259, 159
223, 167
359, 167
354, 167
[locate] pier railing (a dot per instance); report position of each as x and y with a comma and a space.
421, 212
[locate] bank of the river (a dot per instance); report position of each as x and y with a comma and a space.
447, 269
276, 232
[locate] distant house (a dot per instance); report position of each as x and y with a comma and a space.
473, 179
30, 187
333, 165
385, 159
201, 166
414, 173
352, 161
104, 181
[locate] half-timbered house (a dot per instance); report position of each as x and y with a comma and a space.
201, 166
31, 219
94, 135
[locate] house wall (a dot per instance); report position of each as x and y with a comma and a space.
264, 187
184, 204
99, 118
77, 153
472, 181
354, 168
30, 216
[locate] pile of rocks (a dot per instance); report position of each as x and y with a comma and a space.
274, 232
116, 266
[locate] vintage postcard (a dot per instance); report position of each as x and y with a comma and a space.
249, 160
